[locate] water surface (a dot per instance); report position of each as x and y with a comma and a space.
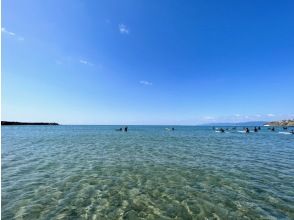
95, 172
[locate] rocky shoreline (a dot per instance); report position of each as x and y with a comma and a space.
284, 123
26, 123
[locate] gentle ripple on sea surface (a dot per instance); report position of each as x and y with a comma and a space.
95, 172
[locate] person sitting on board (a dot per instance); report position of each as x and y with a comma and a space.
273, 129
126, 129
247, 130
259, 128
222, 130
255, 129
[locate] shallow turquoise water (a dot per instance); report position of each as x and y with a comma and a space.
94, 172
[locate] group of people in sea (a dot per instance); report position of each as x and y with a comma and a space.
222, 130
256, 129
121, 129
286, 128
247, 130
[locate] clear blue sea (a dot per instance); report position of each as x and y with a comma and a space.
149, 172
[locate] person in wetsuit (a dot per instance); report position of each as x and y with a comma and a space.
255, 129
247, 130
126, 129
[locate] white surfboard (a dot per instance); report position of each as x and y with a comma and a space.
284, 132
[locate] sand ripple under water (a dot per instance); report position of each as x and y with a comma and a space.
95, 172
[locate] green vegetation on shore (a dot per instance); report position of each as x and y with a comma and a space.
26, 123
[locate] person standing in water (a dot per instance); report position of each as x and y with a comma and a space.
126, 129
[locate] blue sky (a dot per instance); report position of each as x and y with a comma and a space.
147, 62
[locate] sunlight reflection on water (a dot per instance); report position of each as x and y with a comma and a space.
94, 172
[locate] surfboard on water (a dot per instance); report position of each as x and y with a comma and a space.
284, 132
222, 132
242, 131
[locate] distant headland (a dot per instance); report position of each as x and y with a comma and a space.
247, 123
281, 123
26, 123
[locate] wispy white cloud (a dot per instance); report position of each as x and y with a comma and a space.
11, 34
208, 118
85, 62
69, 60
270, 115
123, 29
146, 83
7, 32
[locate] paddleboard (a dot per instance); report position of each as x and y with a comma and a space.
242, 131
222, 132
284, 132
